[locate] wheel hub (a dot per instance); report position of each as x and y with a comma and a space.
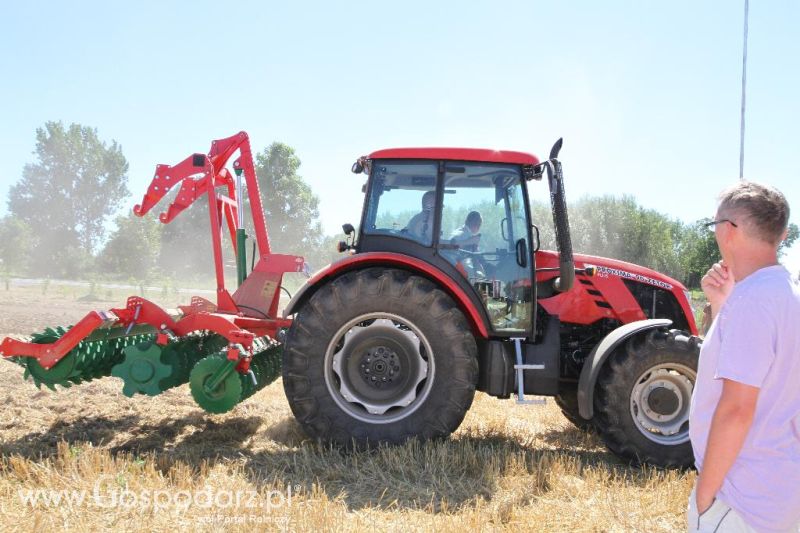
663, 400
380, 366
660, 403
375, 368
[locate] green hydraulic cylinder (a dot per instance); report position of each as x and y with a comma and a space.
241, 236
241, 255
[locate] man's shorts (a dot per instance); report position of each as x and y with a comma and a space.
718, 518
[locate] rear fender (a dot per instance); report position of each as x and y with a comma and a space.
473, 315
594, 363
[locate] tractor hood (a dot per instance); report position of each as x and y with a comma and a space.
612, 267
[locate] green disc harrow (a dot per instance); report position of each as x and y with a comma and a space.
217, 387
94, 357
132, 355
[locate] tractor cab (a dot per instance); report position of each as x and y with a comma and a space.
466, 213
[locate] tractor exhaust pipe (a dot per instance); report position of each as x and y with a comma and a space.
558, 201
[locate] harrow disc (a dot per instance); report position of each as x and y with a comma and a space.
151, 369
266, 367
92, 358
225, 396
142, 370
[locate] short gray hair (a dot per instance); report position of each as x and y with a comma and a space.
764, 208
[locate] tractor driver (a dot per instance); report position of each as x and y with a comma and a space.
467, 236
421, 224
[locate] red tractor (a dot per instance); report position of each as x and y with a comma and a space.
443, 291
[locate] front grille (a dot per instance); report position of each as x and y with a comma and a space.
657, 303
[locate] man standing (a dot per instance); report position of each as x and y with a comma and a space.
745, 413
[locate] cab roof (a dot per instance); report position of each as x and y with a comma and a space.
458, 154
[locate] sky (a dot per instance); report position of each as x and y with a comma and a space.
646, 94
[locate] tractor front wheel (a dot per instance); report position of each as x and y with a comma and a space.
379, 355
643, 397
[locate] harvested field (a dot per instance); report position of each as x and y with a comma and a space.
162, 463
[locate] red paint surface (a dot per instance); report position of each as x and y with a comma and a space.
577, 306
458, 154
474, 317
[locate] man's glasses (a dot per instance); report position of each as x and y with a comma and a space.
713, 223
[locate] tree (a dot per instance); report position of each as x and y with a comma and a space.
698, 250
133, 249
290, 206
67, 195
15, 243
621, 229
791, 236
290, 209
186, 242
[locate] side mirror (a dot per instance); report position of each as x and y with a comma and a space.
361, 165
347, 244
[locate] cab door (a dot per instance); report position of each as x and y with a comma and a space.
485, 234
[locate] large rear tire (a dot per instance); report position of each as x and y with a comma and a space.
643, 397
379, 355
567, 401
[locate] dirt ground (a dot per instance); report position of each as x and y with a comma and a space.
163, 464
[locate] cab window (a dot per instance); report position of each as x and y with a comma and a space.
402, 200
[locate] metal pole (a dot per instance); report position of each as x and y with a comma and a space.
744, 84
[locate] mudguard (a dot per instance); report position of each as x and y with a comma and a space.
389, 259
594, 363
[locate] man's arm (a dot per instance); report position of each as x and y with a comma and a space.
729, 427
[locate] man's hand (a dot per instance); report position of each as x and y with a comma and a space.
704, 504
717, 285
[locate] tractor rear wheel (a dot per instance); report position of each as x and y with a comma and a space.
643, 397
567, 401
379, 355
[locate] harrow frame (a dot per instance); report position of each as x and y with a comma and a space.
250, 313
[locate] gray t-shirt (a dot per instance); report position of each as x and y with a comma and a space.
755, 340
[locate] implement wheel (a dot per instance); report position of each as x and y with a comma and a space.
379, 355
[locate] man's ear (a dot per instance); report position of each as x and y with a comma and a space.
785, 234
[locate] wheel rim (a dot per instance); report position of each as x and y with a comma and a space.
660, 402
379, 368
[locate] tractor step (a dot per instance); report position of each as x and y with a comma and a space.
521, 368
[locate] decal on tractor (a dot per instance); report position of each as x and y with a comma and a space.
636, 277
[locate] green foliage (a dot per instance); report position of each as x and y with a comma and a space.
618, 228
291, 212
66, 196
133, 249
290, 206
185, 249
791, 237
697, 249
15, 245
